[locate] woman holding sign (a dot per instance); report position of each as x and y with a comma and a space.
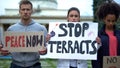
72, 16
109, 34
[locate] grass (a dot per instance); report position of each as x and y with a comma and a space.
46, 63
5, 63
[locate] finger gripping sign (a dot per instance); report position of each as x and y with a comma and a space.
72, 40
23, 41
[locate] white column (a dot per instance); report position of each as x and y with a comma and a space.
1, 33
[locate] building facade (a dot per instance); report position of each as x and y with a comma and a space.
45, 11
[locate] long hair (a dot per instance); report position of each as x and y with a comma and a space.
73, 8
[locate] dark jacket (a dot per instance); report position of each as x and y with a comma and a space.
104, 49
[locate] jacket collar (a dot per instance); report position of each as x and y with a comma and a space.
103, 29
31, 22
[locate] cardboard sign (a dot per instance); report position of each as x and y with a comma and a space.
111, 62
75, 40
23, 41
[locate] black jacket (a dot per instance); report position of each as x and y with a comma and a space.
104, 49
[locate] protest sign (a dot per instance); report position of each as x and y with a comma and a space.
23, 41
111, 62
72, 40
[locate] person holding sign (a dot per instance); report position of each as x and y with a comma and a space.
72, 16
26, 24
108, 34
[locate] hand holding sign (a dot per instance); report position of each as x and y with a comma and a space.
4, 51
98, 40
43, 50
0, 47
48, 37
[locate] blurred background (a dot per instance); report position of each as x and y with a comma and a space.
46, 11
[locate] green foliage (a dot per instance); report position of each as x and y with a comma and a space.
46, 63
5, 63
96, 4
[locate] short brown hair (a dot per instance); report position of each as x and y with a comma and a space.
25, 2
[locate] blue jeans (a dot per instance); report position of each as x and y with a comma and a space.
37, 65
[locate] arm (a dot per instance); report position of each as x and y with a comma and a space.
0, 47
3, 51
47, 37
98, 40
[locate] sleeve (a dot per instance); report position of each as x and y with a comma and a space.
45, 34
99, 35
99, 45
9, 28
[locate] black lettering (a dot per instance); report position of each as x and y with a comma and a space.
28, 41
85, 27
63, 47
39, 40
51, 45
87, 45
70, 25
58, 46
76, 47
81, 48
70, 48
33, 41
94, 48
62, 27
111, 60
77, 30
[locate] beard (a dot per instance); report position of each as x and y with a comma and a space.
26, 18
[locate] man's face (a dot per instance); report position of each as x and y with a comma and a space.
25, 11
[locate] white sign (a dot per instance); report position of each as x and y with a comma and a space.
72, 40
23, 41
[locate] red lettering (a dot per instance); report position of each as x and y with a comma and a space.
12, 41
23, 41
16, 41
19, 41
7, 39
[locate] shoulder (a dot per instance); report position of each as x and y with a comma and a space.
13, 26
38, 25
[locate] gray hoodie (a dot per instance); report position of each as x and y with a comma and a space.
26, 59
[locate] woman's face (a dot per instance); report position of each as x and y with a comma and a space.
73, 16
110, 20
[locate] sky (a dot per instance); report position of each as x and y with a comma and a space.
85, 6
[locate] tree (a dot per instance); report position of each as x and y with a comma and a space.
96, 4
